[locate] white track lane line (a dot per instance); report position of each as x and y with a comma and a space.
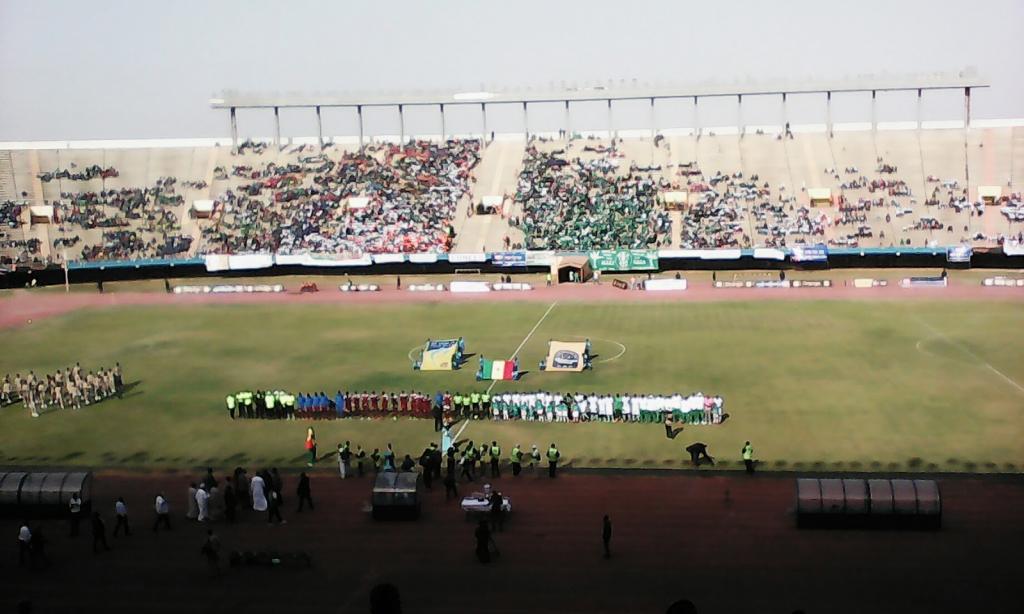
937, 333
514, 354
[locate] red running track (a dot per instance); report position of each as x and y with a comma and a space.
728, 542
27, 305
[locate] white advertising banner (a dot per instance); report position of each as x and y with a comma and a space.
469, 286
217, 262
467, 257
244, 262
423, 258
388, 258
659, 285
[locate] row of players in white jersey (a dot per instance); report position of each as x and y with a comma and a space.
555, 407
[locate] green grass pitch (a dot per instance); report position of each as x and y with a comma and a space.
814, 385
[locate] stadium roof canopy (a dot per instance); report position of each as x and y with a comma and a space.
965, 79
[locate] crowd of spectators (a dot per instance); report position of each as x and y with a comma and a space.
591, 203
411, 192
717, 217
136, 222
10, 214
578, 195
68, 174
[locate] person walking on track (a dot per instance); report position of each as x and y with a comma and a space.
162, 509
99, 533
304, 493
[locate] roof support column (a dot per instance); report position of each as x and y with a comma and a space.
359, 112
526, 121
874, 111
234, 128
443, 130
918, 108
654, 131
277, 127
654, 125
483, 117
611, 122
696, 118
319, 129
739, 114
568, 121
401, 126
785, 117
967, 108
828, 113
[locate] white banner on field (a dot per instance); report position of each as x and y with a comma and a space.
769, 253
363, 261
679, 253
659, 285
244, 262
1003, 282
720, 254
1013, 249
469, 286
426, 287
703, 254
467, 257
388, 258
423, 258
217, 262
286, 259
511, 286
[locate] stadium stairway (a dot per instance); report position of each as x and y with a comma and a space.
8, 186
497, 175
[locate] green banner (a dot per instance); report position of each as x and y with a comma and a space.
624, 260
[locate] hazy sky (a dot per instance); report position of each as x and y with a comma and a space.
71, 69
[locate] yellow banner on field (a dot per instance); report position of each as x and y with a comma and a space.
440, 355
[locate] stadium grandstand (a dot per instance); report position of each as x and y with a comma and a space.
855, 186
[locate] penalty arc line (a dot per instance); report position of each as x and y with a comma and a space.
514, 354
939, 334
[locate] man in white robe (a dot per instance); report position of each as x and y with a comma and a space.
203, 503
257, 490
193, 508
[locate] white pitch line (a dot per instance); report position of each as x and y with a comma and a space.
514, 354
967, 351
622, 347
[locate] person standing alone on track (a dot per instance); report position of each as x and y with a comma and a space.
748, 457
303, 492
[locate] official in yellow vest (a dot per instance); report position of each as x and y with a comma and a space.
517, 460
495, 456
748, 457
553, 456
